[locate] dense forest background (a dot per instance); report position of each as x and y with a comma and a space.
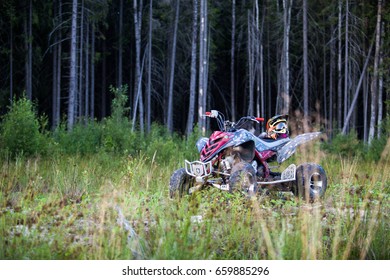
323, 61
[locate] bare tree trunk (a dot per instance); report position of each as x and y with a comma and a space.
232, 55
28, 46
339, 90
120, 43
87, 73
331, 84
149, 85
365, 108
346, 65
59, 63
283, 102
325, 84
104, 80
55, 76
251, 74
191, 109
305, 66
260, 62
137, 83
380, 83
206, 57
79, 104
202, 66
73, 66
92, 93
172, 70
374, 82
11, 62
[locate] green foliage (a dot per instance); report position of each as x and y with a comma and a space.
20, 130
84, 138
118, 103
344, 145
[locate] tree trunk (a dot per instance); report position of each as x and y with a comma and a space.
339, 68
149, 85
202, 67
79, 98
305, 66
251, 66
283, 102
137, 83
73, 68
380, 83
104, 81
92, 93
28, 47
172, 70
120, 45
232, 55
54, 81
87, 73
59, 63
346, 65
374, 82
331, 83
191, 107
11, 61
260, 63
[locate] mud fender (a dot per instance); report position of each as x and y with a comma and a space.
289, 149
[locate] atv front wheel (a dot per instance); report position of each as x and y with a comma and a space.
311, 181
243, 178
180, 183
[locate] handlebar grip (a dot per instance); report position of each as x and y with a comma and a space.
260, 119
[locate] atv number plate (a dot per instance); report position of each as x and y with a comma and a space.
198, 168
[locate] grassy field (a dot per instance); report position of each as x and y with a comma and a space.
110, 206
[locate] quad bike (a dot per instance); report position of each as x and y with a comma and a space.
233, 158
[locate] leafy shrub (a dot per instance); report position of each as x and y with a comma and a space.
374, 151
20, 130
84, 138
117, 131
344, 145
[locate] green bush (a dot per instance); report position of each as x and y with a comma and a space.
374, 151
344, 145
84, 138
20, 130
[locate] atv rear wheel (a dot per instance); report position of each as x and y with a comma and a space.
243, 177
311, 182
180, 183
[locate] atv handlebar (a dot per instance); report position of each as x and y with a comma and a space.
226, 125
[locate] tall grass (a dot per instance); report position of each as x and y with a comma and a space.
115, 206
